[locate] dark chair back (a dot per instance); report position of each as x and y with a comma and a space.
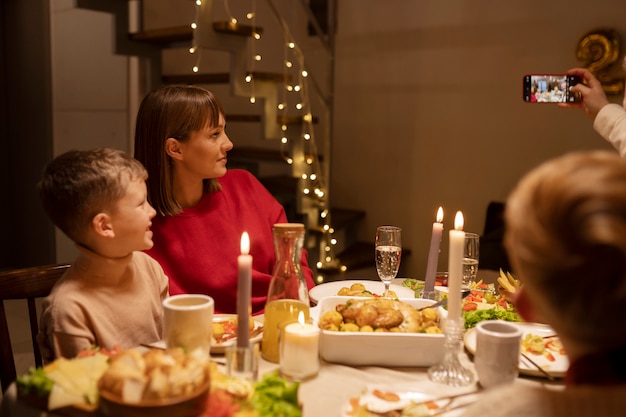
25, 284
492, 253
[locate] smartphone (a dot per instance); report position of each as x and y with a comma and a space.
550, 88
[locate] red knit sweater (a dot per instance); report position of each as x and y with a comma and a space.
198, 248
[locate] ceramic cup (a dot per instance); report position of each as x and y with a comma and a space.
497, 352
188, 321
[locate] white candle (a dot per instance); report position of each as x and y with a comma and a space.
299, 354
244, 284
433, 254
455, 267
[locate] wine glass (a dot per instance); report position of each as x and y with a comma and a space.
388, 253
470, 258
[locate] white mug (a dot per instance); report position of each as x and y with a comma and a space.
188, 321
497, 352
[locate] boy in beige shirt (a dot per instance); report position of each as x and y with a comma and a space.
112, 294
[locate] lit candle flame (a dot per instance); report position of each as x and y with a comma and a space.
440, 215
458, 221
245, 243
301, 317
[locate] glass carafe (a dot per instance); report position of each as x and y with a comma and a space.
288, 293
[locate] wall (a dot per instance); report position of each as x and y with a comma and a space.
90, 88
429, 110
428, 103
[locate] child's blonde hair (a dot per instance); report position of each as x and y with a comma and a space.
77, 185
566, 238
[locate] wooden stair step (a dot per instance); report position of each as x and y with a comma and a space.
177, 34
236, 28
223, 78
358, 255
256, 154
341, 218
164, 36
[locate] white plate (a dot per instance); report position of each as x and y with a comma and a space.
375, 287
221, 347
408, 393
558, 368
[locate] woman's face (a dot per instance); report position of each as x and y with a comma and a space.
204, 153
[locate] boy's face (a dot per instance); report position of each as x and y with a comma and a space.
132, 217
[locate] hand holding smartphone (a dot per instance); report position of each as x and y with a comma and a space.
550, 88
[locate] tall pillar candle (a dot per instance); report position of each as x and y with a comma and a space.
433, 254
455, 267
244, 284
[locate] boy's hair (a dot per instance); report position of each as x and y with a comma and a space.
172, 111
566, 238
77, 185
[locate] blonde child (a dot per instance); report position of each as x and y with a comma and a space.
112, 294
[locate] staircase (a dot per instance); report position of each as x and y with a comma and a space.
288, 177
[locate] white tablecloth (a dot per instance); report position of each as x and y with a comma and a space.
325, 395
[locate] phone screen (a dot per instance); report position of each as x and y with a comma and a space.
550, 88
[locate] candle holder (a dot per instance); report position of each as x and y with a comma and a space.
243, 361
450, 371
429, 295
299, 351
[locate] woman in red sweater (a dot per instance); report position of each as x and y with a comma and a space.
202, 208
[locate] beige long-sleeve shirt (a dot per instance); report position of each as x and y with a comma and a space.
103, 302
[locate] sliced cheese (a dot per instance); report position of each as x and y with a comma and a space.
77, 379
59, 398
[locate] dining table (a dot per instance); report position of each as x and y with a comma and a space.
329, 392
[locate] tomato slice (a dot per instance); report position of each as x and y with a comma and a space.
470, 306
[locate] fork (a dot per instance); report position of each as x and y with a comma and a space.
536, 365
431, 413
443, 302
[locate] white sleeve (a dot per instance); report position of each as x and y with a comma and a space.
611, 124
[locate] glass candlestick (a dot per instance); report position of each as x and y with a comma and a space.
450, 371
429, 295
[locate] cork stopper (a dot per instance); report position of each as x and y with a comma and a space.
288, 227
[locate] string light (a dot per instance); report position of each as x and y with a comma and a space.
308, 163
194, 47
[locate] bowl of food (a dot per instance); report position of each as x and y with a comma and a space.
156, 383
383, 331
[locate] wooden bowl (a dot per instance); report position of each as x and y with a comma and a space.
191, 405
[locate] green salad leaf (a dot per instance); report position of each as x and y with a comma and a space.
275, 397
414, 284
497, 313
35, 381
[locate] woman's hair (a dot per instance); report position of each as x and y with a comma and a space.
173, 111
77, 185
566, 238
